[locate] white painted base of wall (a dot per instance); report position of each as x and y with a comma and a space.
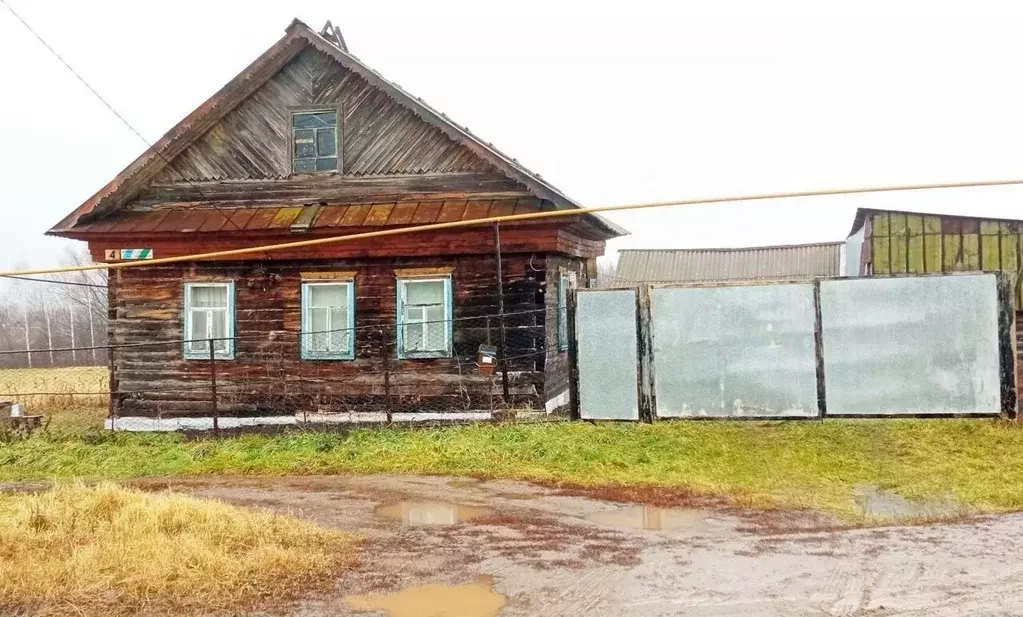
144, 424
558, 401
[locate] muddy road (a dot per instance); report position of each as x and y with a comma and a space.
442, 547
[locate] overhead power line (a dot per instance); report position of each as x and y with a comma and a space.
510, 218
72, 283
111, 107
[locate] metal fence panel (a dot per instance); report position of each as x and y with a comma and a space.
734, 351
607, 355
911, 346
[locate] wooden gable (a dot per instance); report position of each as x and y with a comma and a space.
377, 134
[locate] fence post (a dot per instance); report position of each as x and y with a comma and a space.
645, 355
387, 373
502, 352
213, 389
818, 351
573, 357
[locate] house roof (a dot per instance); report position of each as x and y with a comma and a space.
863, 213
729, 264
187, 217
298, 37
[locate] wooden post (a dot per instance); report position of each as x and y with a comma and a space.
387, 373
573, 357
818, 346
213, 389
502, 352
645, 356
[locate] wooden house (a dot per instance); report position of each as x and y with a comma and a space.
310, 142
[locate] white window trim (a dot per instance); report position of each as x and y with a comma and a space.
447, 352
228, 352
309, 354
566, 282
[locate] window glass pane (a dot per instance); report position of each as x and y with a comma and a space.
326, 164
339, 334
304, 134
218, 319
327, 118
198, 330
302, 165
326, 144
305, 121
328, 295
424, 292
317, 341
304, 150
208, 296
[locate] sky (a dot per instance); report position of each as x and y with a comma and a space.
611, 102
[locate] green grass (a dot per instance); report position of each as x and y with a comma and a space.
979, 463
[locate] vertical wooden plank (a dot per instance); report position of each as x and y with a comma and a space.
573, 358
818, 345
1007, 347
990, 246
915, 255
971, 251
951, 258
899, 244
932, 224
932, 252
881, 227
645, 355
881, 261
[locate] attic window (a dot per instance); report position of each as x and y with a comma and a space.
314, 141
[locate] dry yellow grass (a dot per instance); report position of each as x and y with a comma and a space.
46, 389
107, 550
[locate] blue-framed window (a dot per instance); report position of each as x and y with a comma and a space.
209, 314
424, 317
328, 320
566, 281
314, 141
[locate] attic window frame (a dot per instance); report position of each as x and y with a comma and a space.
339, 137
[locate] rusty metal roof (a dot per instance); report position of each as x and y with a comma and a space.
227, 216
729, 264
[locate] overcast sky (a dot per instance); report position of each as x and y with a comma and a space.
643, 101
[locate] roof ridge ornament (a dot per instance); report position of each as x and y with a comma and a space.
333, 34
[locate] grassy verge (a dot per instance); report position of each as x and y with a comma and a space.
103, 550
977, 463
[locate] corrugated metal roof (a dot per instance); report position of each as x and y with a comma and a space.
729, 264
225, 216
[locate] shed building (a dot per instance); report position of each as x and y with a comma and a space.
309, 142
792, 262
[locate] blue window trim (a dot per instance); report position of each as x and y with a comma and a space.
308, 354
228, 354
447, 352
564, 285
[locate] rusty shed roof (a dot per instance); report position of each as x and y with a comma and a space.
729, 264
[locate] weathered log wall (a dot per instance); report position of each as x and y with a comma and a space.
267, 375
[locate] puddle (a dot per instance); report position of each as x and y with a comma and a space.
875, 501
477, 599
649, 517
431, 512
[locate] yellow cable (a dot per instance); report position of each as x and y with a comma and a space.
502, 219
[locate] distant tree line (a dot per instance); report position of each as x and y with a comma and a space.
38, 317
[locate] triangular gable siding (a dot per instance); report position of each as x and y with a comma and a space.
379, 135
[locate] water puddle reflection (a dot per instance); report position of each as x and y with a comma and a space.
431, 512
652, 518
476, 599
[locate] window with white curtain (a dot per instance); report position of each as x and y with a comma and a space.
328, 320
209, 314
424, 318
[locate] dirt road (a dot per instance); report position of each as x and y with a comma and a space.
512, 549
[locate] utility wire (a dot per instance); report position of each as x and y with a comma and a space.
35, 280
111, 108
548, 214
